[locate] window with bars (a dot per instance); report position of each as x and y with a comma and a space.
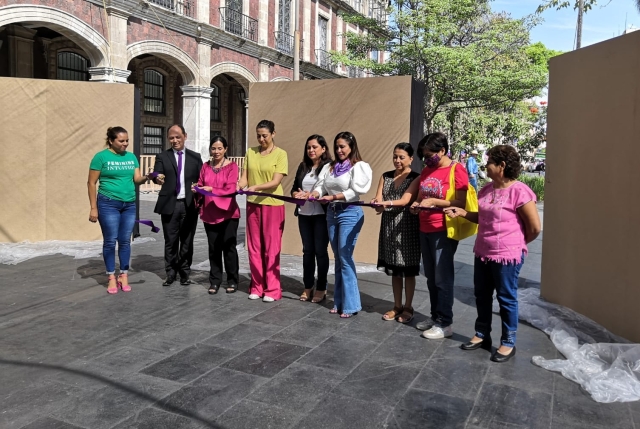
154, 100
72, 66
215, 103
152, 140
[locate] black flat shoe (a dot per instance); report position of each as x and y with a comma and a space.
213, 289
499, 357
484, 344
184, 281
232, 288
169, 281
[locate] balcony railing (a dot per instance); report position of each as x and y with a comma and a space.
379, 13
180, 7
323, 60
284, 42
239, 24
354, 72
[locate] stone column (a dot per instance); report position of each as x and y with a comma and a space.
306, 30
196, 118
263, 22
116, 71
202, 12
20, 41
108, 74
264, 71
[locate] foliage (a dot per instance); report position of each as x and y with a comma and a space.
561, 4
535, 182
477, 65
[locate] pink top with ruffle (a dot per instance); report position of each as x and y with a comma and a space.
216, 209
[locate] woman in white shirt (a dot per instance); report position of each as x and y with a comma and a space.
343, 181
312, 219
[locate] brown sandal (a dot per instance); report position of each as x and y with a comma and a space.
319, 296
406, 316
305, 296
392, 314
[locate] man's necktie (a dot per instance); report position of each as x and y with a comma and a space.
179, 172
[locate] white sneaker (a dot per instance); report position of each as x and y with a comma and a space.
254, 296
267, 299
425, 324
437, 332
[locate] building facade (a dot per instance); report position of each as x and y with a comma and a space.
192, 60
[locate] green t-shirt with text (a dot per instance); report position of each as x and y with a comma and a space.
116, 174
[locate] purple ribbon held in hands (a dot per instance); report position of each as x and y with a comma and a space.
292, 200
149, 223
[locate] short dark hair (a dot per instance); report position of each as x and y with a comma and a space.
354, 155
112, 134
265, 123
509, 155
326, 156
433, 142
184, 132
405, 147
217, 139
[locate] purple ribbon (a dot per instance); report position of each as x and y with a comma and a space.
292, 200
149, 223
353, 203
153, 175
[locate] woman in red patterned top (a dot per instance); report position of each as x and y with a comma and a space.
437, 249
220, 216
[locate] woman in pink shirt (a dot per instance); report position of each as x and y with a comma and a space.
220, 216
507, 221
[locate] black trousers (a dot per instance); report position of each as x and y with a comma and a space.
315, 241
179, 228
223, 238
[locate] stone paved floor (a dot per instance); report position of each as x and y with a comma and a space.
73, 357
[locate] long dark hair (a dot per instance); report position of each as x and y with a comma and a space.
433, 142
220, 139
354, 155
324, 158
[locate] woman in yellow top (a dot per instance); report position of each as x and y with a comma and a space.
264, 168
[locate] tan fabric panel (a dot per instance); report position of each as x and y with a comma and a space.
62, 124
376, 110
592, 210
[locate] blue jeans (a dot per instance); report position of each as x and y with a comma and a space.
437, 258
116, 219
503, 278
344, 224
474, 182
315, 241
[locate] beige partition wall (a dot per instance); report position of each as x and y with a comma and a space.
51, 131
378, 111
591, 250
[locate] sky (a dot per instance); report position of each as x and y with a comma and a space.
557, 31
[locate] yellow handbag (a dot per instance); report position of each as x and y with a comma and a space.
460, 228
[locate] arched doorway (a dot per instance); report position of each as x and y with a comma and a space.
228, 113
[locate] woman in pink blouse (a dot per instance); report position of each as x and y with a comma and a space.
220, 216
507, 221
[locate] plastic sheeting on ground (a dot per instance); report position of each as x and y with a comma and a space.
14, 253
605, 365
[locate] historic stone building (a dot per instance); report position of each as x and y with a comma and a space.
192, 60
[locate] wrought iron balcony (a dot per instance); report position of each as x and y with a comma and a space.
355, 72
284, 42
323, 60
239, 24
180, 7
379, 13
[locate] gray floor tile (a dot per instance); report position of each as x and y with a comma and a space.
425, 410
306, 332
334, 411
250, 415
190, 363
298, 387
50, 423
108, 406
367, 326
506, 406
405, 349
212, 394
379, 382
571, 404
452, 376
243, 336
522, 373
283, 313
267, 358
153, 418
340, 354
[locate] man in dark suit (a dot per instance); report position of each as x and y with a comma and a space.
177, 169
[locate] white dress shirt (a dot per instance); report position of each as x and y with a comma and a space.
181, 194
352, 184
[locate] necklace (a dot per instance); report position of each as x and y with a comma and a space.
270, 150
217, 169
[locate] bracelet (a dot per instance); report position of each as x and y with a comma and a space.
391, 202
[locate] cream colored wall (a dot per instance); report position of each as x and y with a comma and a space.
591, 248
52, 130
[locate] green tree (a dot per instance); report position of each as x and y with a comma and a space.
467, 56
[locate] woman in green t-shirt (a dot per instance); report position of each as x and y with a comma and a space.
113, 203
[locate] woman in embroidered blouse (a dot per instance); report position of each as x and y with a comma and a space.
312, 219
437, 249
507, 221
344, 180
220, 216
